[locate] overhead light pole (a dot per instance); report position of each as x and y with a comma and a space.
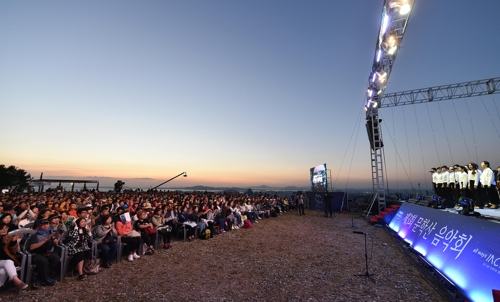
183, 173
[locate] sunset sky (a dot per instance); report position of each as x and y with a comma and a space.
237, 93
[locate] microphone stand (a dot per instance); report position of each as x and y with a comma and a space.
367, 274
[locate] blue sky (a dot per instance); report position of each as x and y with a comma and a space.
236, 93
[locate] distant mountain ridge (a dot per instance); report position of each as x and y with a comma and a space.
263, 187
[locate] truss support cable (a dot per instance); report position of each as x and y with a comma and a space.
421, 149
433, 136
494, 126
445, 133
462, 131
494, 102
347, 149
407, 142
472, 127
352, 157
397, 153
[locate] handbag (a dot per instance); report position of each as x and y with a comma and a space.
133, 233
91, 266
150, 231
165, 228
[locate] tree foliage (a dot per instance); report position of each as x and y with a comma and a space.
13, 177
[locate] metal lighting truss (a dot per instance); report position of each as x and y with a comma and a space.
441, 93
395, 15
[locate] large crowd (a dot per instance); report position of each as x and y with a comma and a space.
454, 182
89, 225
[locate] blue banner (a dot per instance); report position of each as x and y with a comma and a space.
464, 249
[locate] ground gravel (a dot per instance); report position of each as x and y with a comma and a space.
288, 258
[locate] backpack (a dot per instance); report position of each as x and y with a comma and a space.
247, 224
205, 234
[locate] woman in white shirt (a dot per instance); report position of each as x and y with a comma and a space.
463, 181
475, 185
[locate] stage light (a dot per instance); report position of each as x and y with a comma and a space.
370, 92
392, 50
379, 92
403, 6
366, 108
374, 77
379, 53
390, 44
382, 77
375, 105
405, 9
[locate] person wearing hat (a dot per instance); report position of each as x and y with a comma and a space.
146, 205
41, 245
56, 225
104, 212
119, 211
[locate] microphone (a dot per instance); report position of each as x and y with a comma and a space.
358, 232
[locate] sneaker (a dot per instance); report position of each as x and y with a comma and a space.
130, 258
223, 231
136, 256
107, 265
37, 283
166, 246
22, 286
81, 277
49, 282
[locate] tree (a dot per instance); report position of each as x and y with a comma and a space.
13, 177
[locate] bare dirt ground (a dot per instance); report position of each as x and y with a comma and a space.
288, 258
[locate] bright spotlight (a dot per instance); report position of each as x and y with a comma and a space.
382, 77
375, 105
392, 50
405, 9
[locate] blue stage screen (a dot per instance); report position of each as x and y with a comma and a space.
464, 249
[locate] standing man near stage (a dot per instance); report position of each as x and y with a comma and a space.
489, 184
328, 204
300, 202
